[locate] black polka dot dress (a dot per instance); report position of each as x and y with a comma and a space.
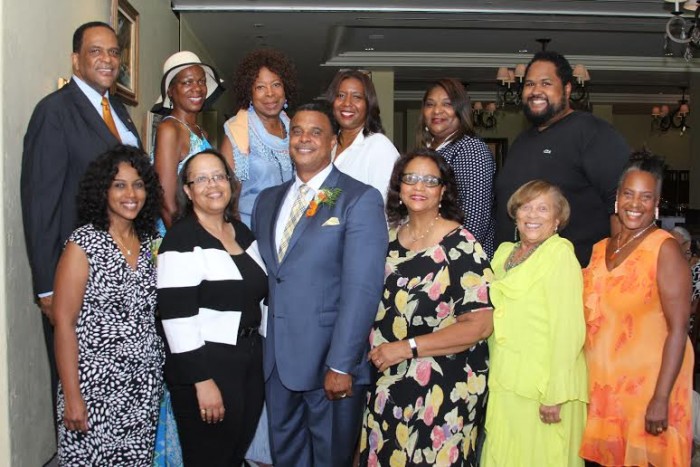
474, 167
120, 358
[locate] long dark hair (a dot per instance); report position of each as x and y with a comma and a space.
184, 204
92, 193
449, 205
460, 103
373, 122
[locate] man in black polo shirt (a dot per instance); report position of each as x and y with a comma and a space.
576, 151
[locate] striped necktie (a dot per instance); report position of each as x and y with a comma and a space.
107, 117
298, 209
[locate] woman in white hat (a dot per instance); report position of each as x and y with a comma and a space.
187, 86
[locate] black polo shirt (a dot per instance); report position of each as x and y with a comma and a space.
581, 154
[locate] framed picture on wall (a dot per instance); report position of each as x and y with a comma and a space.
125, 21
499, 149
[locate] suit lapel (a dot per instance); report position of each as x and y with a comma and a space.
90, 115
304, 222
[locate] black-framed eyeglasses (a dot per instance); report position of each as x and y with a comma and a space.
430, 181
204, 179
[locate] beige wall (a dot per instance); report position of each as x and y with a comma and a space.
224, 104
35, 51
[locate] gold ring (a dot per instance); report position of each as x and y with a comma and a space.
343, 396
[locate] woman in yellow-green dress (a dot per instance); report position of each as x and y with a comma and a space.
537, 386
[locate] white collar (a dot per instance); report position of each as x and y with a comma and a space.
316, 181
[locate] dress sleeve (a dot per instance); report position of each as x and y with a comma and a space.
474, 169
383, 157
567, 327
180, 272
470, 275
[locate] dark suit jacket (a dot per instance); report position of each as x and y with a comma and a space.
64, 135
323, 296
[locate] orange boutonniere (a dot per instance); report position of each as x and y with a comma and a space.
325, 196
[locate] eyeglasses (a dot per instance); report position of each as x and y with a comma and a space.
204, 180
430, 181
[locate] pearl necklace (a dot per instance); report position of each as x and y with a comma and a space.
414, 239
634, 237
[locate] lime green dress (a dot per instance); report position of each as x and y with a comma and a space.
536, 358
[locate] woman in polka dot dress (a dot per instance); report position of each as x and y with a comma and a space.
446, 127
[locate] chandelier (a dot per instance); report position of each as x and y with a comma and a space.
510, 83
682, 30
484, 116
663, 119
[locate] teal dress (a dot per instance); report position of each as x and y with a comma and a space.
167, 450
197, 145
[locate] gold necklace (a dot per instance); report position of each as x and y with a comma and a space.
634, 237
119, 242
413, 237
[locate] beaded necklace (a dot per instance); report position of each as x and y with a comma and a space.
511, 262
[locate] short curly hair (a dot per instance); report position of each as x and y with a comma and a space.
534, 189
98, 178
247, 73
396, 211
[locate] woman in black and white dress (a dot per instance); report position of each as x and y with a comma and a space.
211, 281
108, 353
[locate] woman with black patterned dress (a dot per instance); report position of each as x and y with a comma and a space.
108, 354
428, 340
446, 126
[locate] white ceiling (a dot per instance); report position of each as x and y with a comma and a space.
620, 41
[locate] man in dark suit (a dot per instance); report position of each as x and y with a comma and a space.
325, 262
68, 129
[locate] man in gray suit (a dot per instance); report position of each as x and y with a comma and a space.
68, 129
324, 239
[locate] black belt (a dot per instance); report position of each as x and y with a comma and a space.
247, 332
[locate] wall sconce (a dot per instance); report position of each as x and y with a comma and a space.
663, 119
483, 117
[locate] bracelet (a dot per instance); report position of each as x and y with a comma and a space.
414, 347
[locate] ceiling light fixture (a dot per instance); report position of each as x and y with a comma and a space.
510, 83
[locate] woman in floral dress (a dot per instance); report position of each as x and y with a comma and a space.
427, 405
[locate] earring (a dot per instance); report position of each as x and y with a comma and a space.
400, 201
656, 213
170, 102
556, 229
286, 106
250, 106
515, 234
616, 207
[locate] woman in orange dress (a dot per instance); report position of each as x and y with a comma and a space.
640, 360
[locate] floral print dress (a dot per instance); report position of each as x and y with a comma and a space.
428, 410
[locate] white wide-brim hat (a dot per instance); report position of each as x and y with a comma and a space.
178, 62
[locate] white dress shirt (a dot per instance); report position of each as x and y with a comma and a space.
314, 184
95, 99
369, 159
